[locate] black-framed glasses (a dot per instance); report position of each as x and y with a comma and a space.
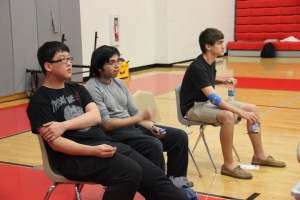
63, 61
112, 62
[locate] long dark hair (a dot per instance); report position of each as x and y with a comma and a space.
101, 56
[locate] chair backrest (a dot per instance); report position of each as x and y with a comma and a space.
180, 117
298, 153
52, 174
144, 100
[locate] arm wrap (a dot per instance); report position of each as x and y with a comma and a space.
214, 99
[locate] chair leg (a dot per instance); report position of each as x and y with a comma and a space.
236, 153
197, 141
207, 148
194, 160
78, 188
52, 187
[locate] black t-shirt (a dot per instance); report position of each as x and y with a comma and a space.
59, 105
197, 76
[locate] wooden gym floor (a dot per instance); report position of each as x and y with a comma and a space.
272, 84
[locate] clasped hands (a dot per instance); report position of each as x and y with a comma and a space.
52, 130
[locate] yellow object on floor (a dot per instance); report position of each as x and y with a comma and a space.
124, 70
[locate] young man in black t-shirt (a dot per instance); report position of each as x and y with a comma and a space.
68, 120
199, 102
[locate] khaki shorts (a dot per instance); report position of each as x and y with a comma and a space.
207, 112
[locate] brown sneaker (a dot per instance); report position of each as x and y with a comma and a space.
269, 161
237, 172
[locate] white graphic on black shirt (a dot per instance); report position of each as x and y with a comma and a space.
72, 111
56, 104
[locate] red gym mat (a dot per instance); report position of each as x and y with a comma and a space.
13, 120
26, 183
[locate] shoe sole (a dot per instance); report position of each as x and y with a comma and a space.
268, 165
245, 178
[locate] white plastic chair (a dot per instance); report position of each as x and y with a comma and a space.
202, 125
298, 153
144, 100
55, 176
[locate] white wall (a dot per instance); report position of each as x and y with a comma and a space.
186, 19
154, 31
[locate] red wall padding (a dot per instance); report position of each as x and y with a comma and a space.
259, 20
266, 3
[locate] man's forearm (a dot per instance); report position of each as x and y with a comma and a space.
220, 82
116, 123
90, 118
70, 147
147, 124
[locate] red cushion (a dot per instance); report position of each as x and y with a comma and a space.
242, 28
288, 27
258, 11
289, 3
279, 46
243, 12
289, 11
242, 20
297, 35
272, 19
257, 36
257, 20
288, 19
272, 28
272, 36
294, 46
274, 3
258, 4
242, 36
242, 4
258, 28
273, 11
234, 45
249, 45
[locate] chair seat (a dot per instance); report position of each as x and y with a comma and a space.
55, 176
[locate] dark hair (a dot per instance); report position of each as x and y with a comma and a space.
48, 50
101, 56
209, 36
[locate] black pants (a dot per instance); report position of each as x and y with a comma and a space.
175, 143
123, 174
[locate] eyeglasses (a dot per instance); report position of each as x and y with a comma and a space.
112, 62
63, 61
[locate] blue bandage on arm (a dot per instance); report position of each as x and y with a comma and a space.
214, 99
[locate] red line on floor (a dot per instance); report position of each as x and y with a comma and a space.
268, 83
